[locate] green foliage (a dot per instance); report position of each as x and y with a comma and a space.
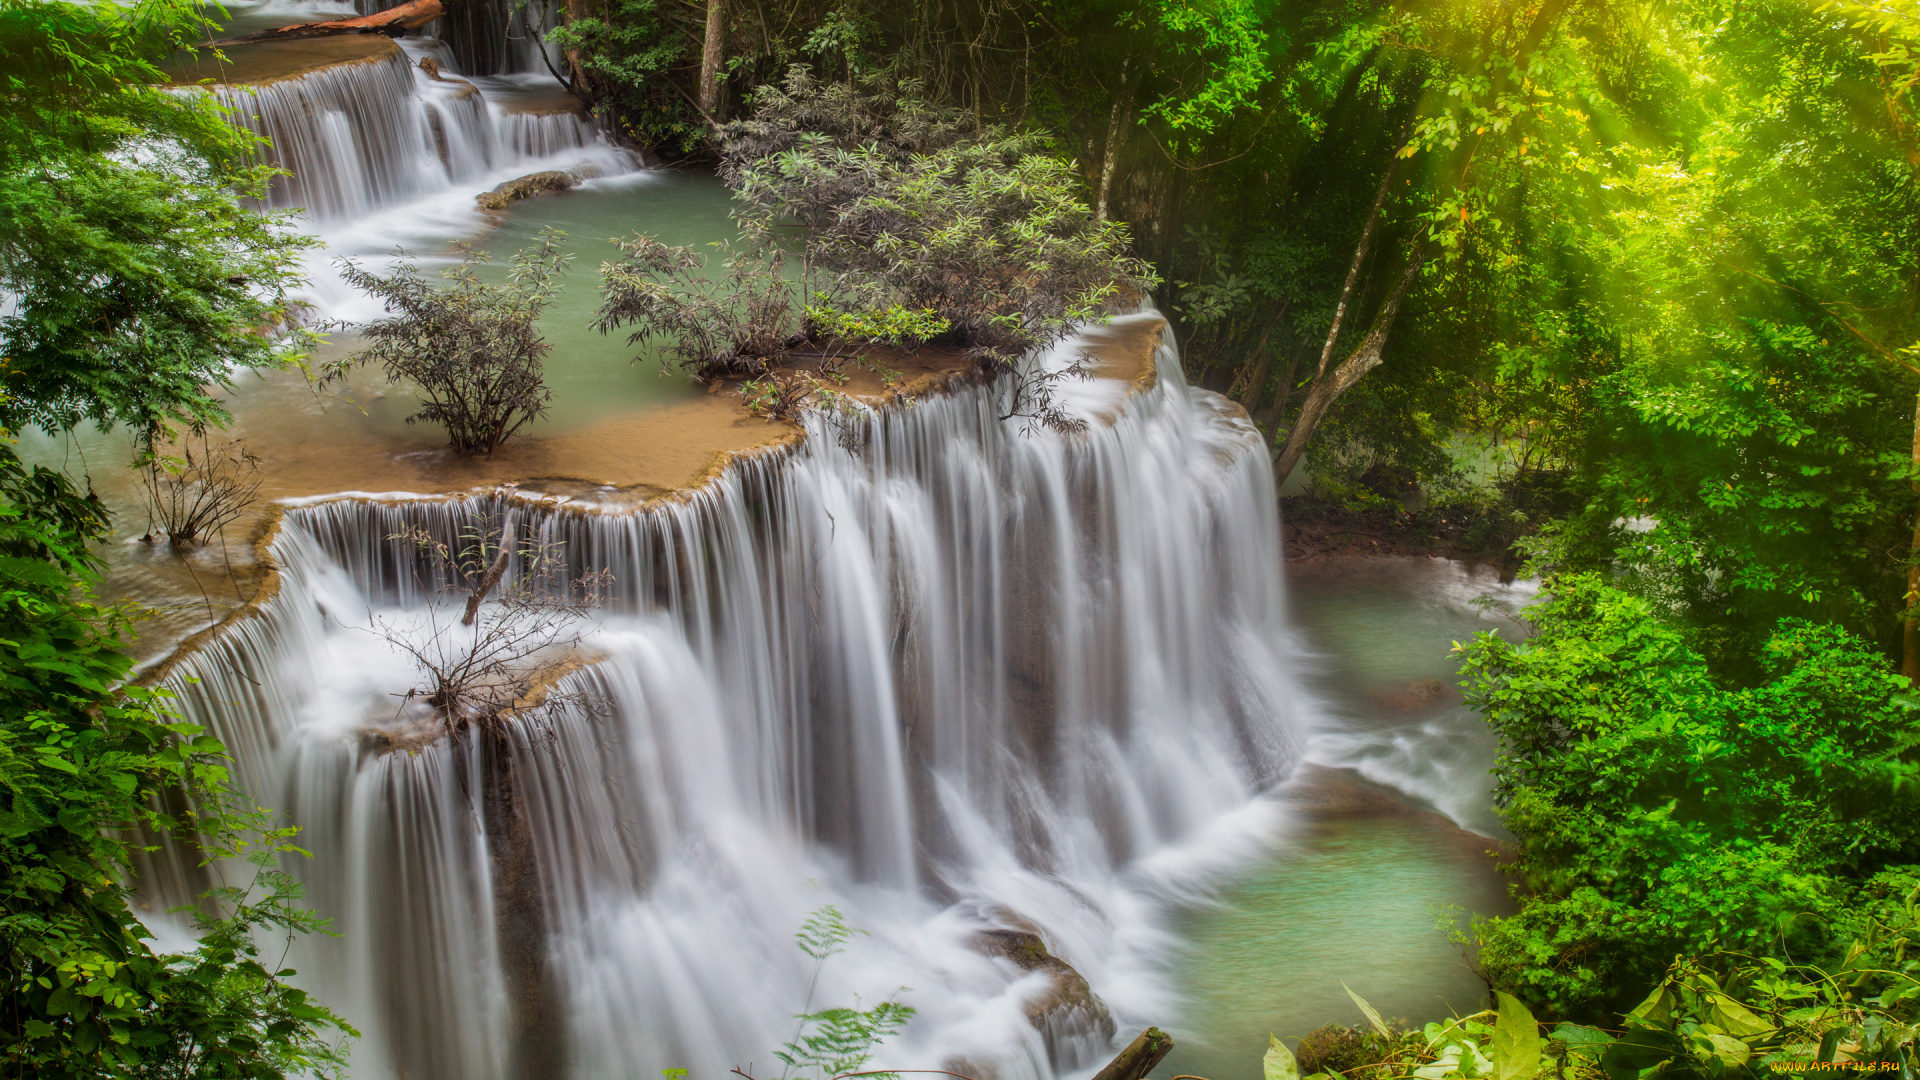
83, 763
1226, 42
1659, 810
840, 1040
1503, 1043
1716, 1018
833, 1042
893, 325
139, 281
473, 349
626, 50
917, 207
739, 326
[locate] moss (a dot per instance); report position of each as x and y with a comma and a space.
1332, 1048
525, 187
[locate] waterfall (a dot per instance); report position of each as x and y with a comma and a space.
375, 132
350, 136
537, 135
952, 679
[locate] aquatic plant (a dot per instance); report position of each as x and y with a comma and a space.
473, 349
190, 500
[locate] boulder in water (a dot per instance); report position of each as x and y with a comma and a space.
525, 187
1068, 999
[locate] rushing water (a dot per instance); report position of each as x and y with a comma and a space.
1354, 882
960, 679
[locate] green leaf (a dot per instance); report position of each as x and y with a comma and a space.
1583, 1040
1730, 1051
1279, 1064
1656, 1010
1516, 1041
1373, 1018
1736, 1018
62, 1001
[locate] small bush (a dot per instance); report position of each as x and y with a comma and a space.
739, 327
894, 325
920, 214
473, 349
191, 499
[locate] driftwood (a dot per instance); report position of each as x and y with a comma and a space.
392, 22
1139, 1058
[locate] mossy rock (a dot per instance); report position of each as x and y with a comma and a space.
525, 187
1069, 996
1332, 1048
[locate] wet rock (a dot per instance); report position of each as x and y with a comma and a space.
525, 187
1069, 1007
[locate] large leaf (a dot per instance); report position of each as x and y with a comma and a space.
1638, 1052
1373, 1017
1279, 1064
1516, 1041
1736, 1018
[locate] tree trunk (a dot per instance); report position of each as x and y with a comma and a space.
713, 53
392, 22
1353, 268
1328, 387
1909, 630
1110, 154
1139, 1058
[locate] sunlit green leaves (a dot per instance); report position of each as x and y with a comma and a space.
1660, 810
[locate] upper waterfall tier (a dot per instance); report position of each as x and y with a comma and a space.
939, 672
359, 128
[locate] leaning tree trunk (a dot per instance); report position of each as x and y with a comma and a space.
1139, 1057
1116, 131
1328, 387
1909, 629
1320, 393
392, 22
713, 53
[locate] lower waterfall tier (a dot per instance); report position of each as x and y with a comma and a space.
954, 679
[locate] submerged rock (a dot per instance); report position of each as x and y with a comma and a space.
525, 187
1415, 695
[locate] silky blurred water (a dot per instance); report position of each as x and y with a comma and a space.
1354, 889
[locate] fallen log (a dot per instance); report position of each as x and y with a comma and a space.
392, 22
1139, 1058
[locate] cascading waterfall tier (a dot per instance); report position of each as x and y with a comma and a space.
350, 136
956, 680
374, 132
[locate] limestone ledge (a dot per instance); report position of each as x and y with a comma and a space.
657, 454
261, 63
